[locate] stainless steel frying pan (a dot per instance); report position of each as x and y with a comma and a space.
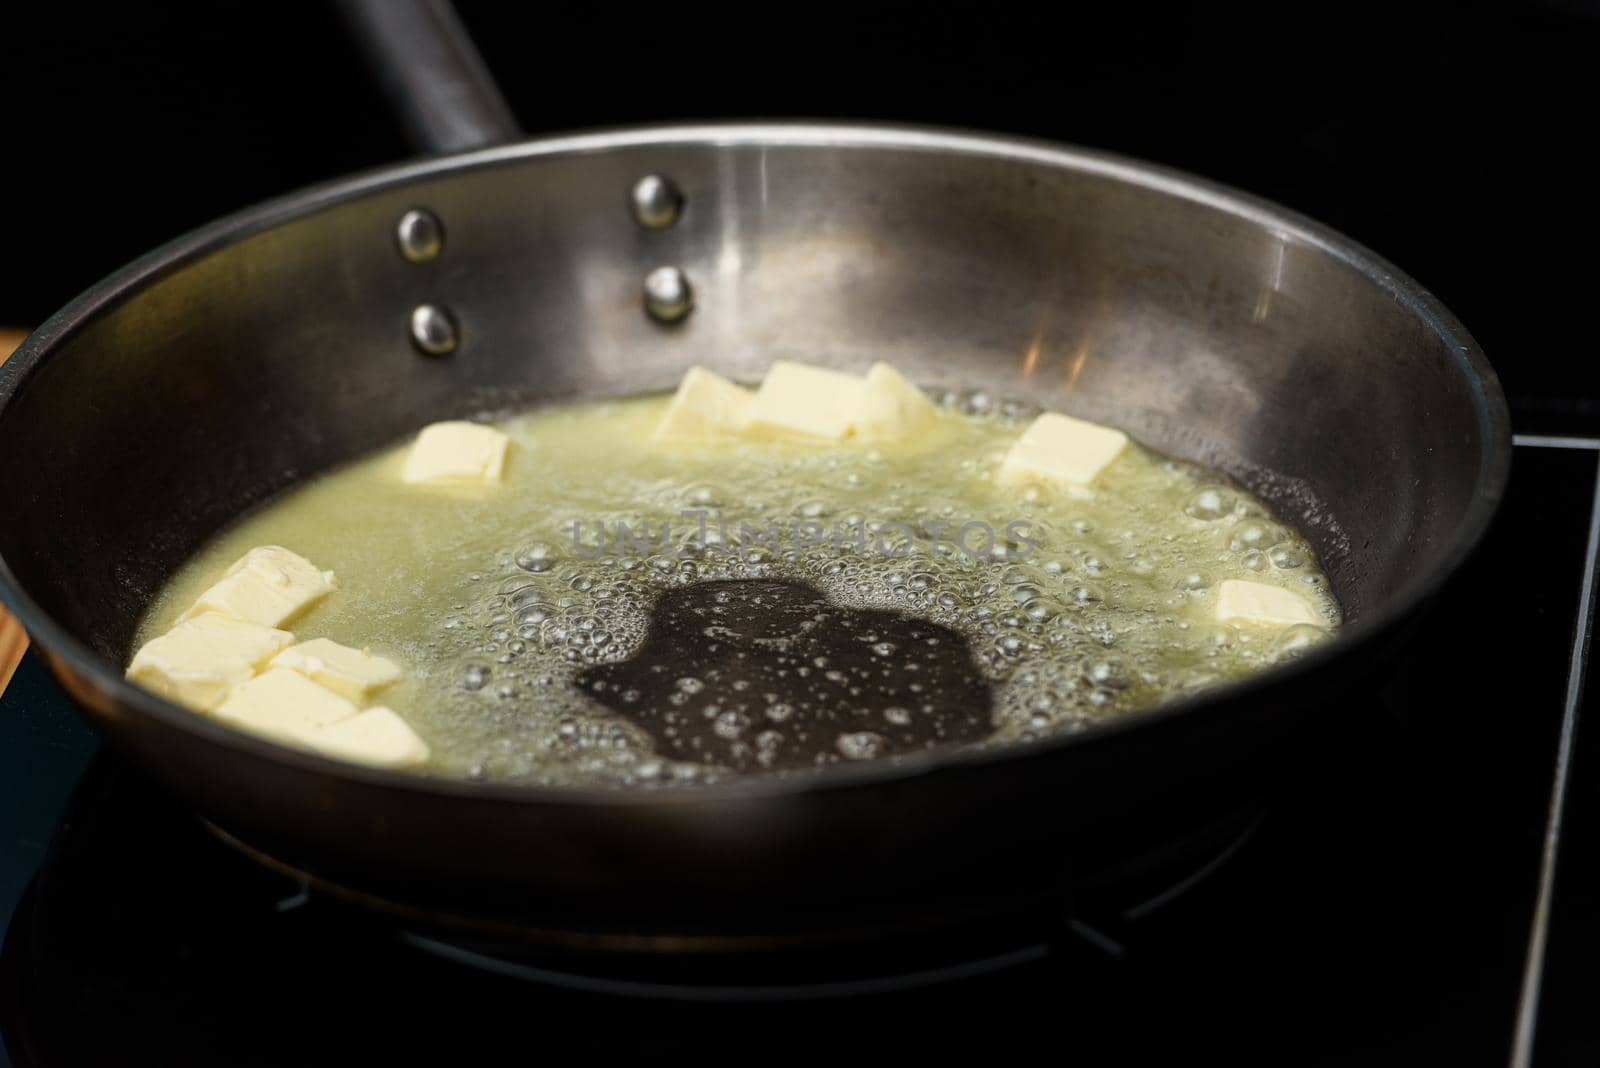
254, 353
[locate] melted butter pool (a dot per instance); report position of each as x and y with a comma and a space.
875, 599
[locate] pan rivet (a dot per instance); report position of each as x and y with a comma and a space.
433, 330
656, 201
420, 235
667, 295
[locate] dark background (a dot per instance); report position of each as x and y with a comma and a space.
1459, 140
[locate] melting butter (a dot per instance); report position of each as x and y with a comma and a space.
1077, 606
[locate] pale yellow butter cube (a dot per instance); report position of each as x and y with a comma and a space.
268, 585
283, 704
351, 673
376, 737
199, 660
797, 400
1058, 448
706, 405
456, 452
891, 406
1243, 601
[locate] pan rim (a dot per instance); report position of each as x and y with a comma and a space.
69, 654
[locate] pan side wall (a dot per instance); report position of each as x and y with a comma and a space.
1207, 334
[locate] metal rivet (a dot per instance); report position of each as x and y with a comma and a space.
656, 201
667, 294
420, 235
433, 330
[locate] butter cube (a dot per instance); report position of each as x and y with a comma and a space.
706, 405
797, 400
1242, 601
891, 406
351, 673
267, 585
1058, 448
284, 705
456, 452
199, 660
376, 737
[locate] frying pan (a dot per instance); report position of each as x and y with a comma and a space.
245, 357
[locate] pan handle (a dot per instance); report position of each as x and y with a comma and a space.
433, 73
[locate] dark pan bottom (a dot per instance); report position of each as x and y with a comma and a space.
914, 949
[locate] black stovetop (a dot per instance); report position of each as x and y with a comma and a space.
1380, 911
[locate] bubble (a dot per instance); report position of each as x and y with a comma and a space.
1286, 557
1109, 674
536, 558
1299, 637
861, 745
702, 496
1252, 534
730, 725
1209, 504
475, 677
1025, 592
